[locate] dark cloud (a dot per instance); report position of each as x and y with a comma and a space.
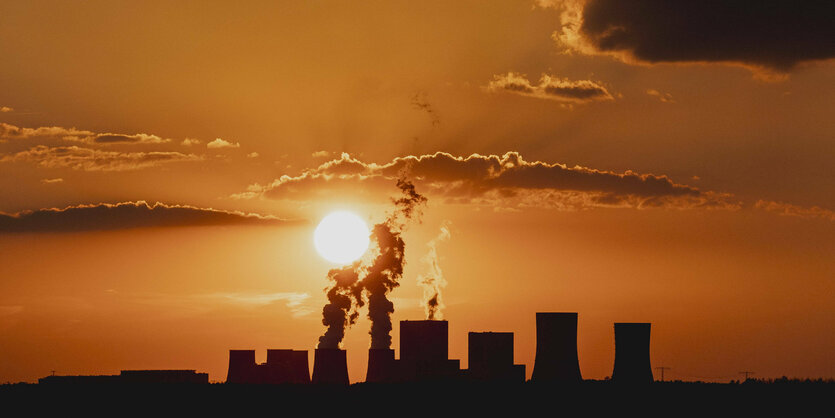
549, 87
87, 159
772, 35
499, 181
104, 216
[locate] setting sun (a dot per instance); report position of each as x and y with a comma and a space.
341, 237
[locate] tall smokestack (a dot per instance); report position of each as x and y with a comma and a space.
632, 363
330, 366
556, 348
381, 366
241, 367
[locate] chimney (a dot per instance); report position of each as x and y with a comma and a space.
491, 357
330, 366
556, 348
381, 366
241, 367
632, 353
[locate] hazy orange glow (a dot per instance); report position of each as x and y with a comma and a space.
678, 190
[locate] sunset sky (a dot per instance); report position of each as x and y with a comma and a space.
163, 166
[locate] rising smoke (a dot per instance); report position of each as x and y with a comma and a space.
376, 279
433, 281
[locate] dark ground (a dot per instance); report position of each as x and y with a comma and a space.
590, 398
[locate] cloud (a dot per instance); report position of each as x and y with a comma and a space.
549, 87
6, 109
127, 139
663, 97
506, 181
320, 154
189, 142
8, 131
774, 36
52, 181
139, 214
788, 209
253, 154
88, 159
220, 143
13, 132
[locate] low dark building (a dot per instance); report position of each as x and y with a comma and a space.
282, 366
132, 377
424, 352
490, 356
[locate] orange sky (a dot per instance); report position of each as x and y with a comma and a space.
623, 181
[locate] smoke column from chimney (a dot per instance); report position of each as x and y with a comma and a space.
341, 309
433, 281
379, 277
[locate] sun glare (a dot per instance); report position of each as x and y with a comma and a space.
341, 237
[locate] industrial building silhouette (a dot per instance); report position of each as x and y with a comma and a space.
424, 356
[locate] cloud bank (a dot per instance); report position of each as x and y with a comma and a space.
12, 132
506, 181
774, 36
88, 159
139, 214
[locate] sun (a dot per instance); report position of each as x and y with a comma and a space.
341, 237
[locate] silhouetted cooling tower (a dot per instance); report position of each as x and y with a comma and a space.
330, 366
632, 363
241, 366
300, 371
381, 365
424, 350
491, 357
556, 348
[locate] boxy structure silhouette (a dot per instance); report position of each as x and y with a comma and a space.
556, 348
282, 366
632, 363
424, 351
490, 357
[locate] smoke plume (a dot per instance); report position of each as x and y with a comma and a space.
433, 281
379, 277
341, 309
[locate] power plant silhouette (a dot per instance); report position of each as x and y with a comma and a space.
424, 357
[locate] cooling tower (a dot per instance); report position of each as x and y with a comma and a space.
300, 369
241, 366
381, 365
556, 348
330, 366
632, 353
